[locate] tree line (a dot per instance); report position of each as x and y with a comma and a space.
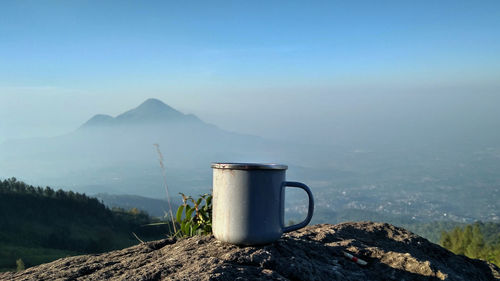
477, 241
12, 185
34, 219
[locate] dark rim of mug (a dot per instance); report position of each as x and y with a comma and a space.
249, 166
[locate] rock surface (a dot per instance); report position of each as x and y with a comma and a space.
312, 253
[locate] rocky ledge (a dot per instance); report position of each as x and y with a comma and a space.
313, 253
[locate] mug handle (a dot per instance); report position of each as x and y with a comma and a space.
310, 211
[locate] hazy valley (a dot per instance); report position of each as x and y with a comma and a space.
450, 181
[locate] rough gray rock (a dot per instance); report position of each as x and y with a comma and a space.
312, 253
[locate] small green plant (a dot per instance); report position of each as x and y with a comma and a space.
195, 219
19, 265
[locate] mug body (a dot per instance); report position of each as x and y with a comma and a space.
248, 202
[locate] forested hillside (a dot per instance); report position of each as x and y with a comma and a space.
478, 241
40, 224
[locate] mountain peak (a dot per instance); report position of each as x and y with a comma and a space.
151, 110
153, 103
99, 120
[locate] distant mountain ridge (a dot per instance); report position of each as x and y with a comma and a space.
150, 111
116, 154
99, 120
154, 207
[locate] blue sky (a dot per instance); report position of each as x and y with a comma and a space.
221, 59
